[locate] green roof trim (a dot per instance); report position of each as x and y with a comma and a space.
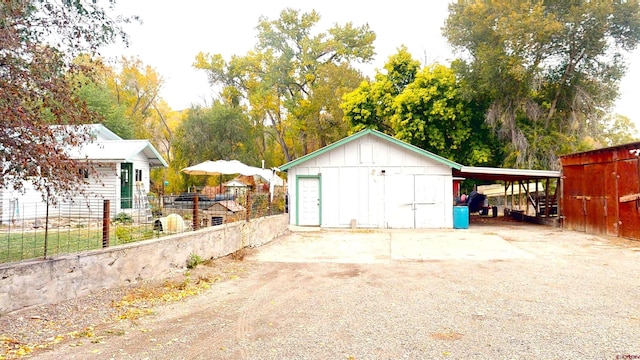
378, 134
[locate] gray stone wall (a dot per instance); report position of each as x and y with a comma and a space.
40, 282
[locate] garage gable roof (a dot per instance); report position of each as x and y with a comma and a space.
375, 133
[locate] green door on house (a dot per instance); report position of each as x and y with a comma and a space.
126, 185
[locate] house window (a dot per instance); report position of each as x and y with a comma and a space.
84, 173
138, 174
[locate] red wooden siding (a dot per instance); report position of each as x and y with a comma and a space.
572, 204
629, 223
599, 191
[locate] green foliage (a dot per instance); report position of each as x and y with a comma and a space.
616, 130
549, 70
193, 261
148, 233
370, 106
124, 234
217, 132
100, 99
426, 108
123, 218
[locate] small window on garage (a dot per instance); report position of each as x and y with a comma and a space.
367, 153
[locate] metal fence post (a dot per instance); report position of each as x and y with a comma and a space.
105, 222
196, 224
248, 215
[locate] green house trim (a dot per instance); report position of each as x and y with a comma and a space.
378, 134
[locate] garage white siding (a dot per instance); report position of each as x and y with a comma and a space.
375, 181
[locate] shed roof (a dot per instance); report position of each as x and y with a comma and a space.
633, 147
229, 205
504, 174
375, 133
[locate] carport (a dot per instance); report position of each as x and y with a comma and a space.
521, 179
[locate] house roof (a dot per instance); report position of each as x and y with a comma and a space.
235, 183
375, 133
119, 151
98, 131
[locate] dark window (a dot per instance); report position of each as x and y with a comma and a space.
84, 173
138, 175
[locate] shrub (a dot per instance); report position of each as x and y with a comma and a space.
124, 218
156, 211
124, 233
193, 261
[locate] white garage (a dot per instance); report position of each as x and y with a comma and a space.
371, 180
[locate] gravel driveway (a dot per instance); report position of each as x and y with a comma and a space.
512, 291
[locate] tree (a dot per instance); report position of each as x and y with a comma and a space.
617, 130
279, 77
425, 108
137, 86
94, 86
38, 40
431, 114
218, 132
550, 67
371, 104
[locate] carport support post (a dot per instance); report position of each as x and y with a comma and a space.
546, 198
106, 208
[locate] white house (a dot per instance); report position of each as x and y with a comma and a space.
371, 180
124, 167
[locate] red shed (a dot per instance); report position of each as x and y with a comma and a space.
601, 191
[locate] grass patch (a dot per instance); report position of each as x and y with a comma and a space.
30, 243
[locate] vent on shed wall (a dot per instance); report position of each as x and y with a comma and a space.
367, 153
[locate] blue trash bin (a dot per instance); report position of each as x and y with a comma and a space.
460, 217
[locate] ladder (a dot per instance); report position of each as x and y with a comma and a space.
142, 202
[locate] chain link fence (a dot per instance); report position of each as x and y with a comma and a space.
39, 230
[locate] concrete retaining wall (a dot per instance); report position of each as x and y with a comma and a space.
48, 281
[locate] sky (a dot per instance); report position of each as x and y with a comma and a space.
173, 33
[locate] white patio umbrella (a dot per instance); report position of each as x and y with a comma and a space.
228, 167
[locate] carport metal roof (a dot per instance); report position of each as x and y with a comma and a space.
504, 174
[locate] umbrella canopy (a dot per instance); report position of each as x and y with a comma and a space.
229, 167
226, 167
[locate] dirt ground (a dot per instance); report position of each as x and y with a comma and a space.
498, 290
